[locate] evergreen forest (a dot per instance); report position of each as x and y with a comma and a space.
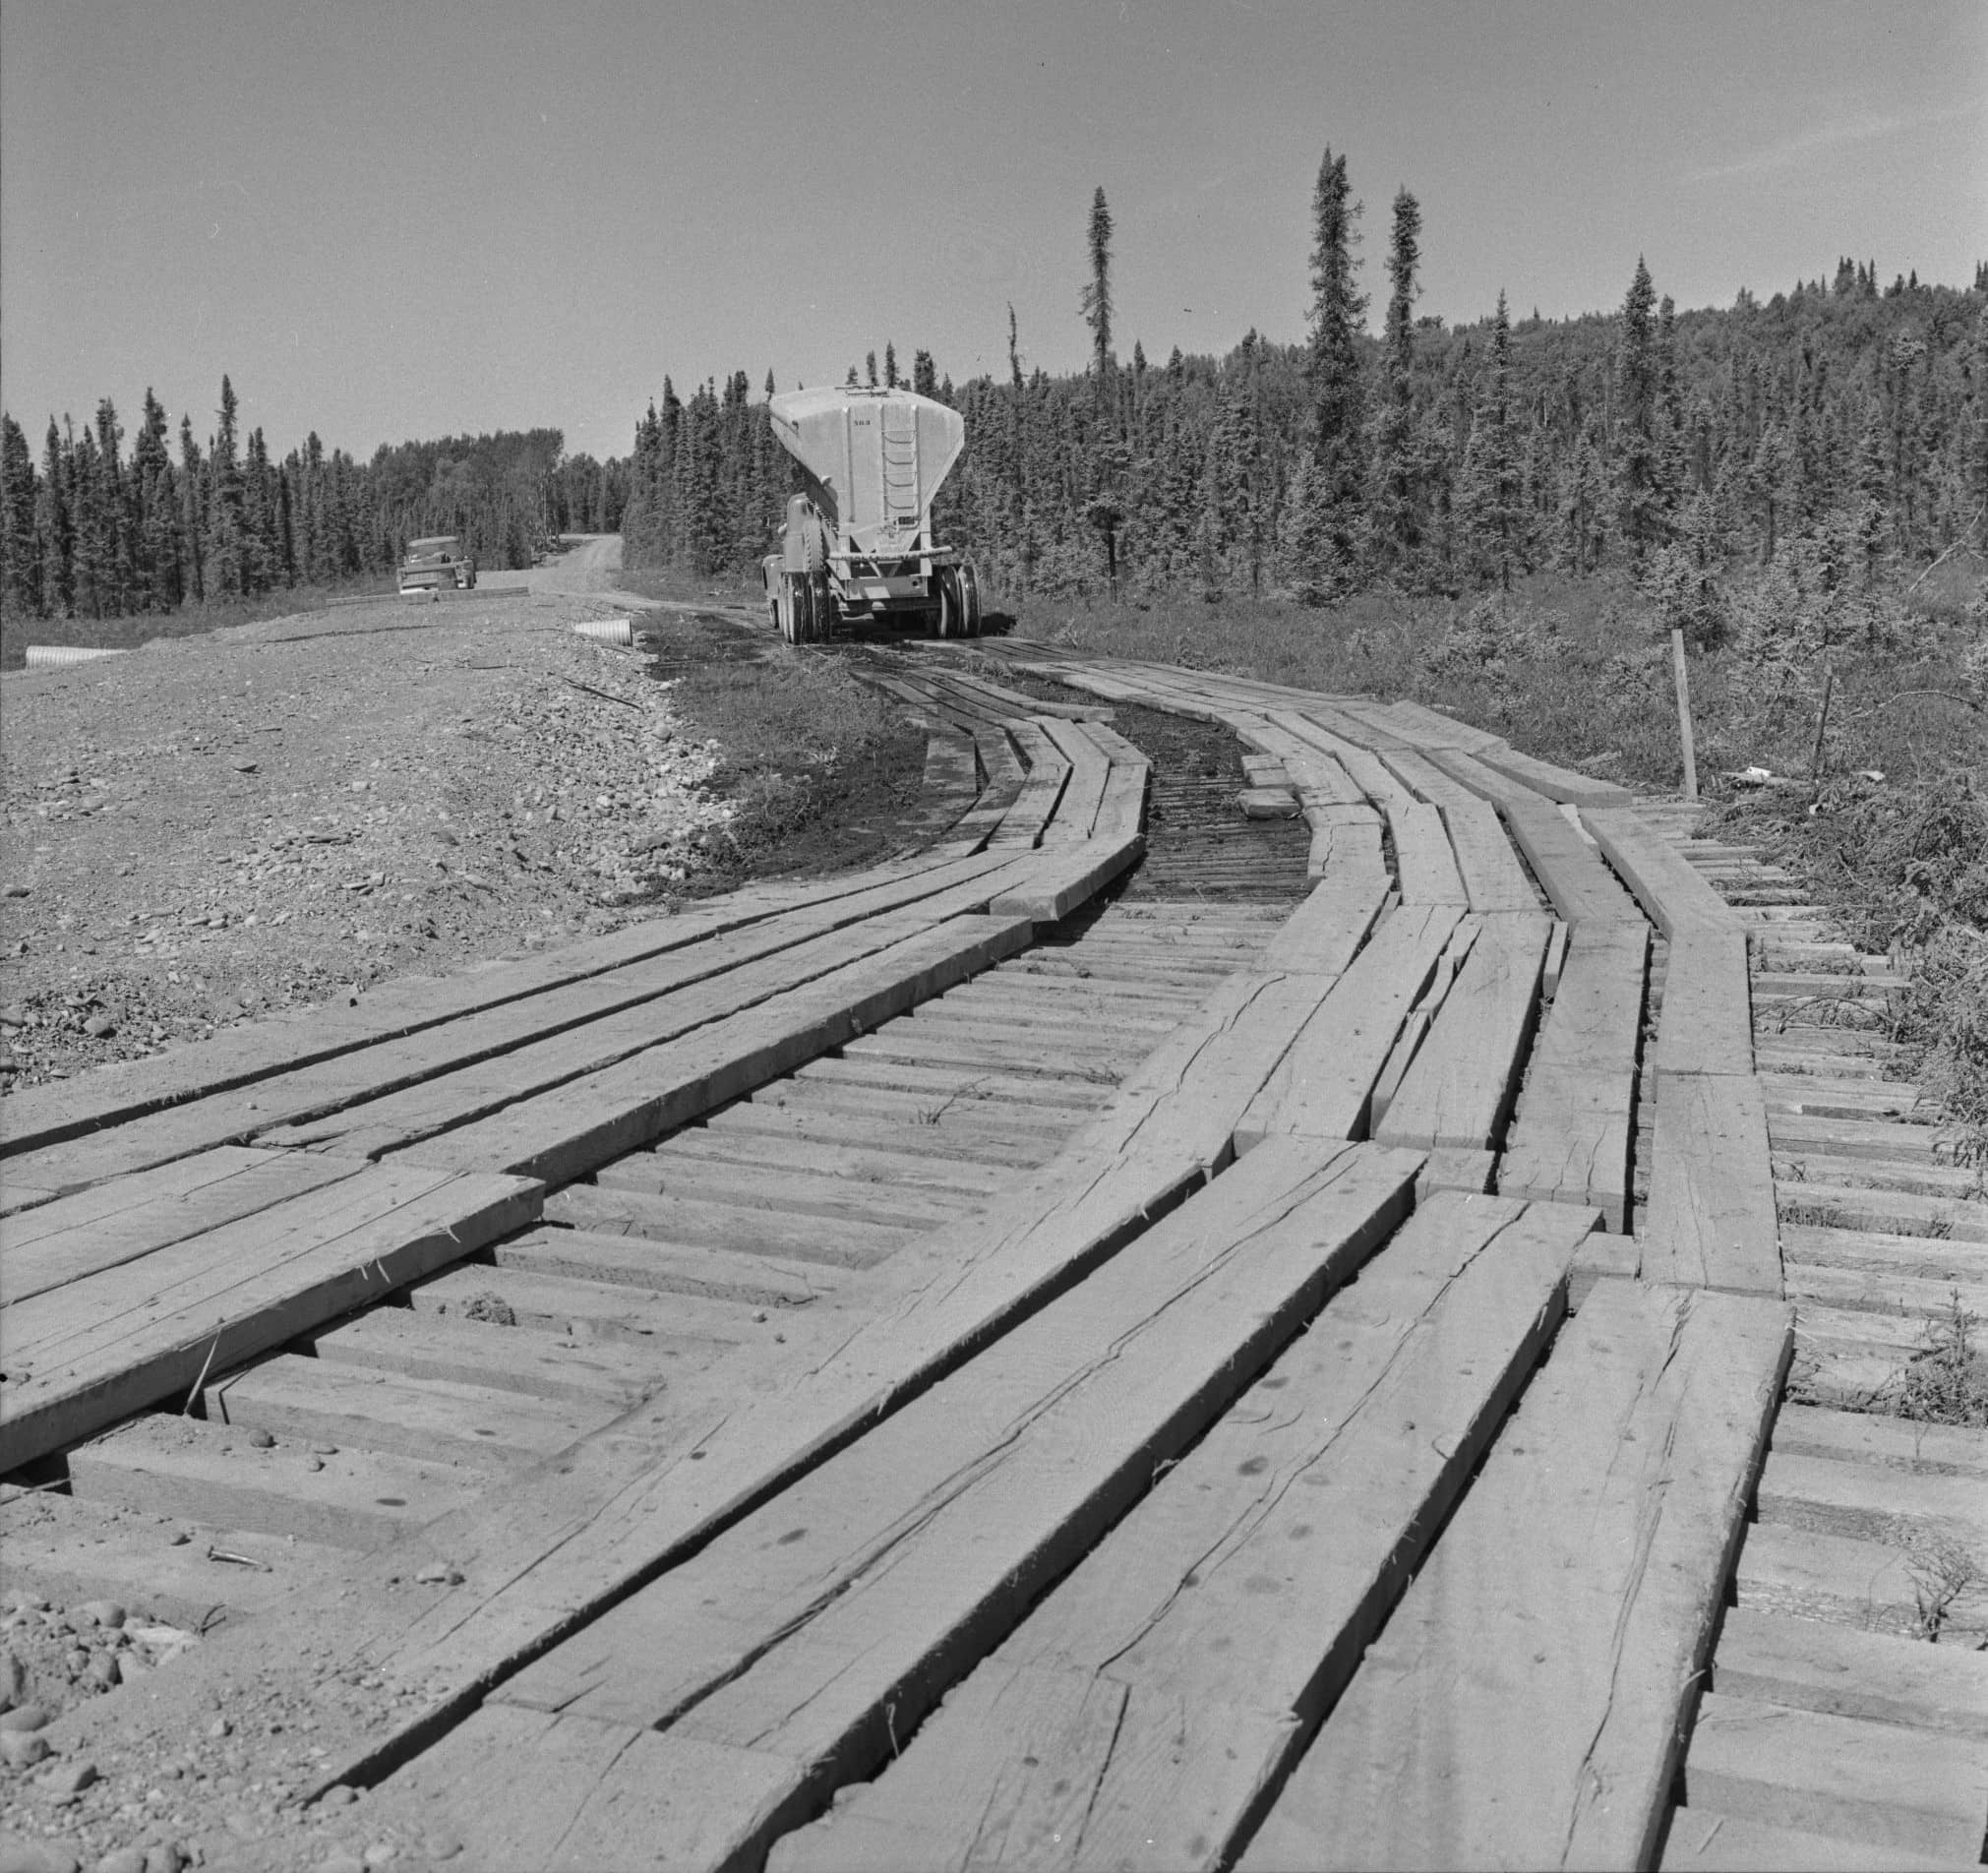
93, 530
1833, 431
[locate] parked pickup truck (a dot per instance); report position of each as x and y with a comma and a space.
433, 564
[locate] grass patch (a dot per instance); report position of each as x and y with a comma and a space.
1945, 1382
1577, 671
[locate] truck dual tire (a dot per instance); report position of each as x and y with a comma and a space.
958, 602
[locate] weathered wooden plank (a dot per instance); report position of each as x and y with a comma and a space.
114, 1094
442, 1100
1576, 1117
1320, 1087
1041, 788
1326, 931
1056, 885
1912, 1790
1004, 778
957, 1510
1555, 783
1491, 874
575, 1127
303, 1401
675, 1218
690, 981
1582, 889
1665, 882
1013, 703
599, 1796
1704, 1841
1424, 859
1526, 1703
1460, 1088
428, 1345
116, 1223
1426, 728
1706, 1022
616, 1507
1814, 1665
84, 1356
1345, 841
1711, 1220
1083, 793
362, 1499
1294, 1522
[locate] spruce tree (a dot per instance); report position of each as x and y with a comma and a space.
889, 365
1639, 491
54, 530
1333, 377
1097, 297
20, 556
193, 511
1492, 515
1397, 524
223, 543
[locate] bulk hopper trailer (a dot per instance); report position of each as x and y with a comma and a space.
857, 543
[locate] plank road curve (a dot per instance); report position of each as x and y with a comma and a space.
1271, 1349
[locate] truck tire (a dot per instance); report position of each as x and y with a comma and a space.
969, 601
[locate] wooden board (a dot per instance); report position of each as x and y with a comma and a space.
686, 984
612, 1512
575, 1128
1706, 1022
1908, 1789
1084, 792
1041, 791
1424, 862
85, 1354
1492, 875
1576, 1118
1555, 783
1459, 1089
1320, 1087
114, 1094
852, 1600
1813, 1665
442, 1100
1584, 891
488, 1427
1705, 1840
209, 1475
1074, 875
1665, 882
1294, 1523
1325, 932
1013, 703
1524, 1704
120, 1222
1711, 1220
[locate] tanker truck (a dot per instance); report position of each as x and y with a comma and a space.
857, 543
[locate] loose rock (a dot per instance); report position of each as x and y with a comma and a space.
23, 1716
19, 1749
69, 1778
13, 1681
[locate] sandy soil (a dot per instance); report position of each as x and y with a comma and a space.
211, 827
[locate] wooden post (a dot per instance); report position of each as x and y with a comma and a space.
1684, 712
1821, 725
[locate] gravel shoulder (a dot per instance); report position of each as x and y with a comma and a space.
213, 827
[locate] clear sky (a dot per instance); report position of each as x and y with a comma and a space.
400, 219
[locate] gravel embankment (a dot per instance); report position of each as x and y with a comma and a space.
212, 827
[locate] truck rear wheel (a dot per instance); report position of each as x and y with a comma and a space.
969, 601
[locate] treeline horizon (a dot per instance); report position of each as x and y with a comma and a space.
92, 532
1842, 424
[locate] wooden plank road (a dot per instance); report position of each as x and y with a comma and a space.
1133, 1721
851, 1601
1524, 1704
1094, 1439
83, 1354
